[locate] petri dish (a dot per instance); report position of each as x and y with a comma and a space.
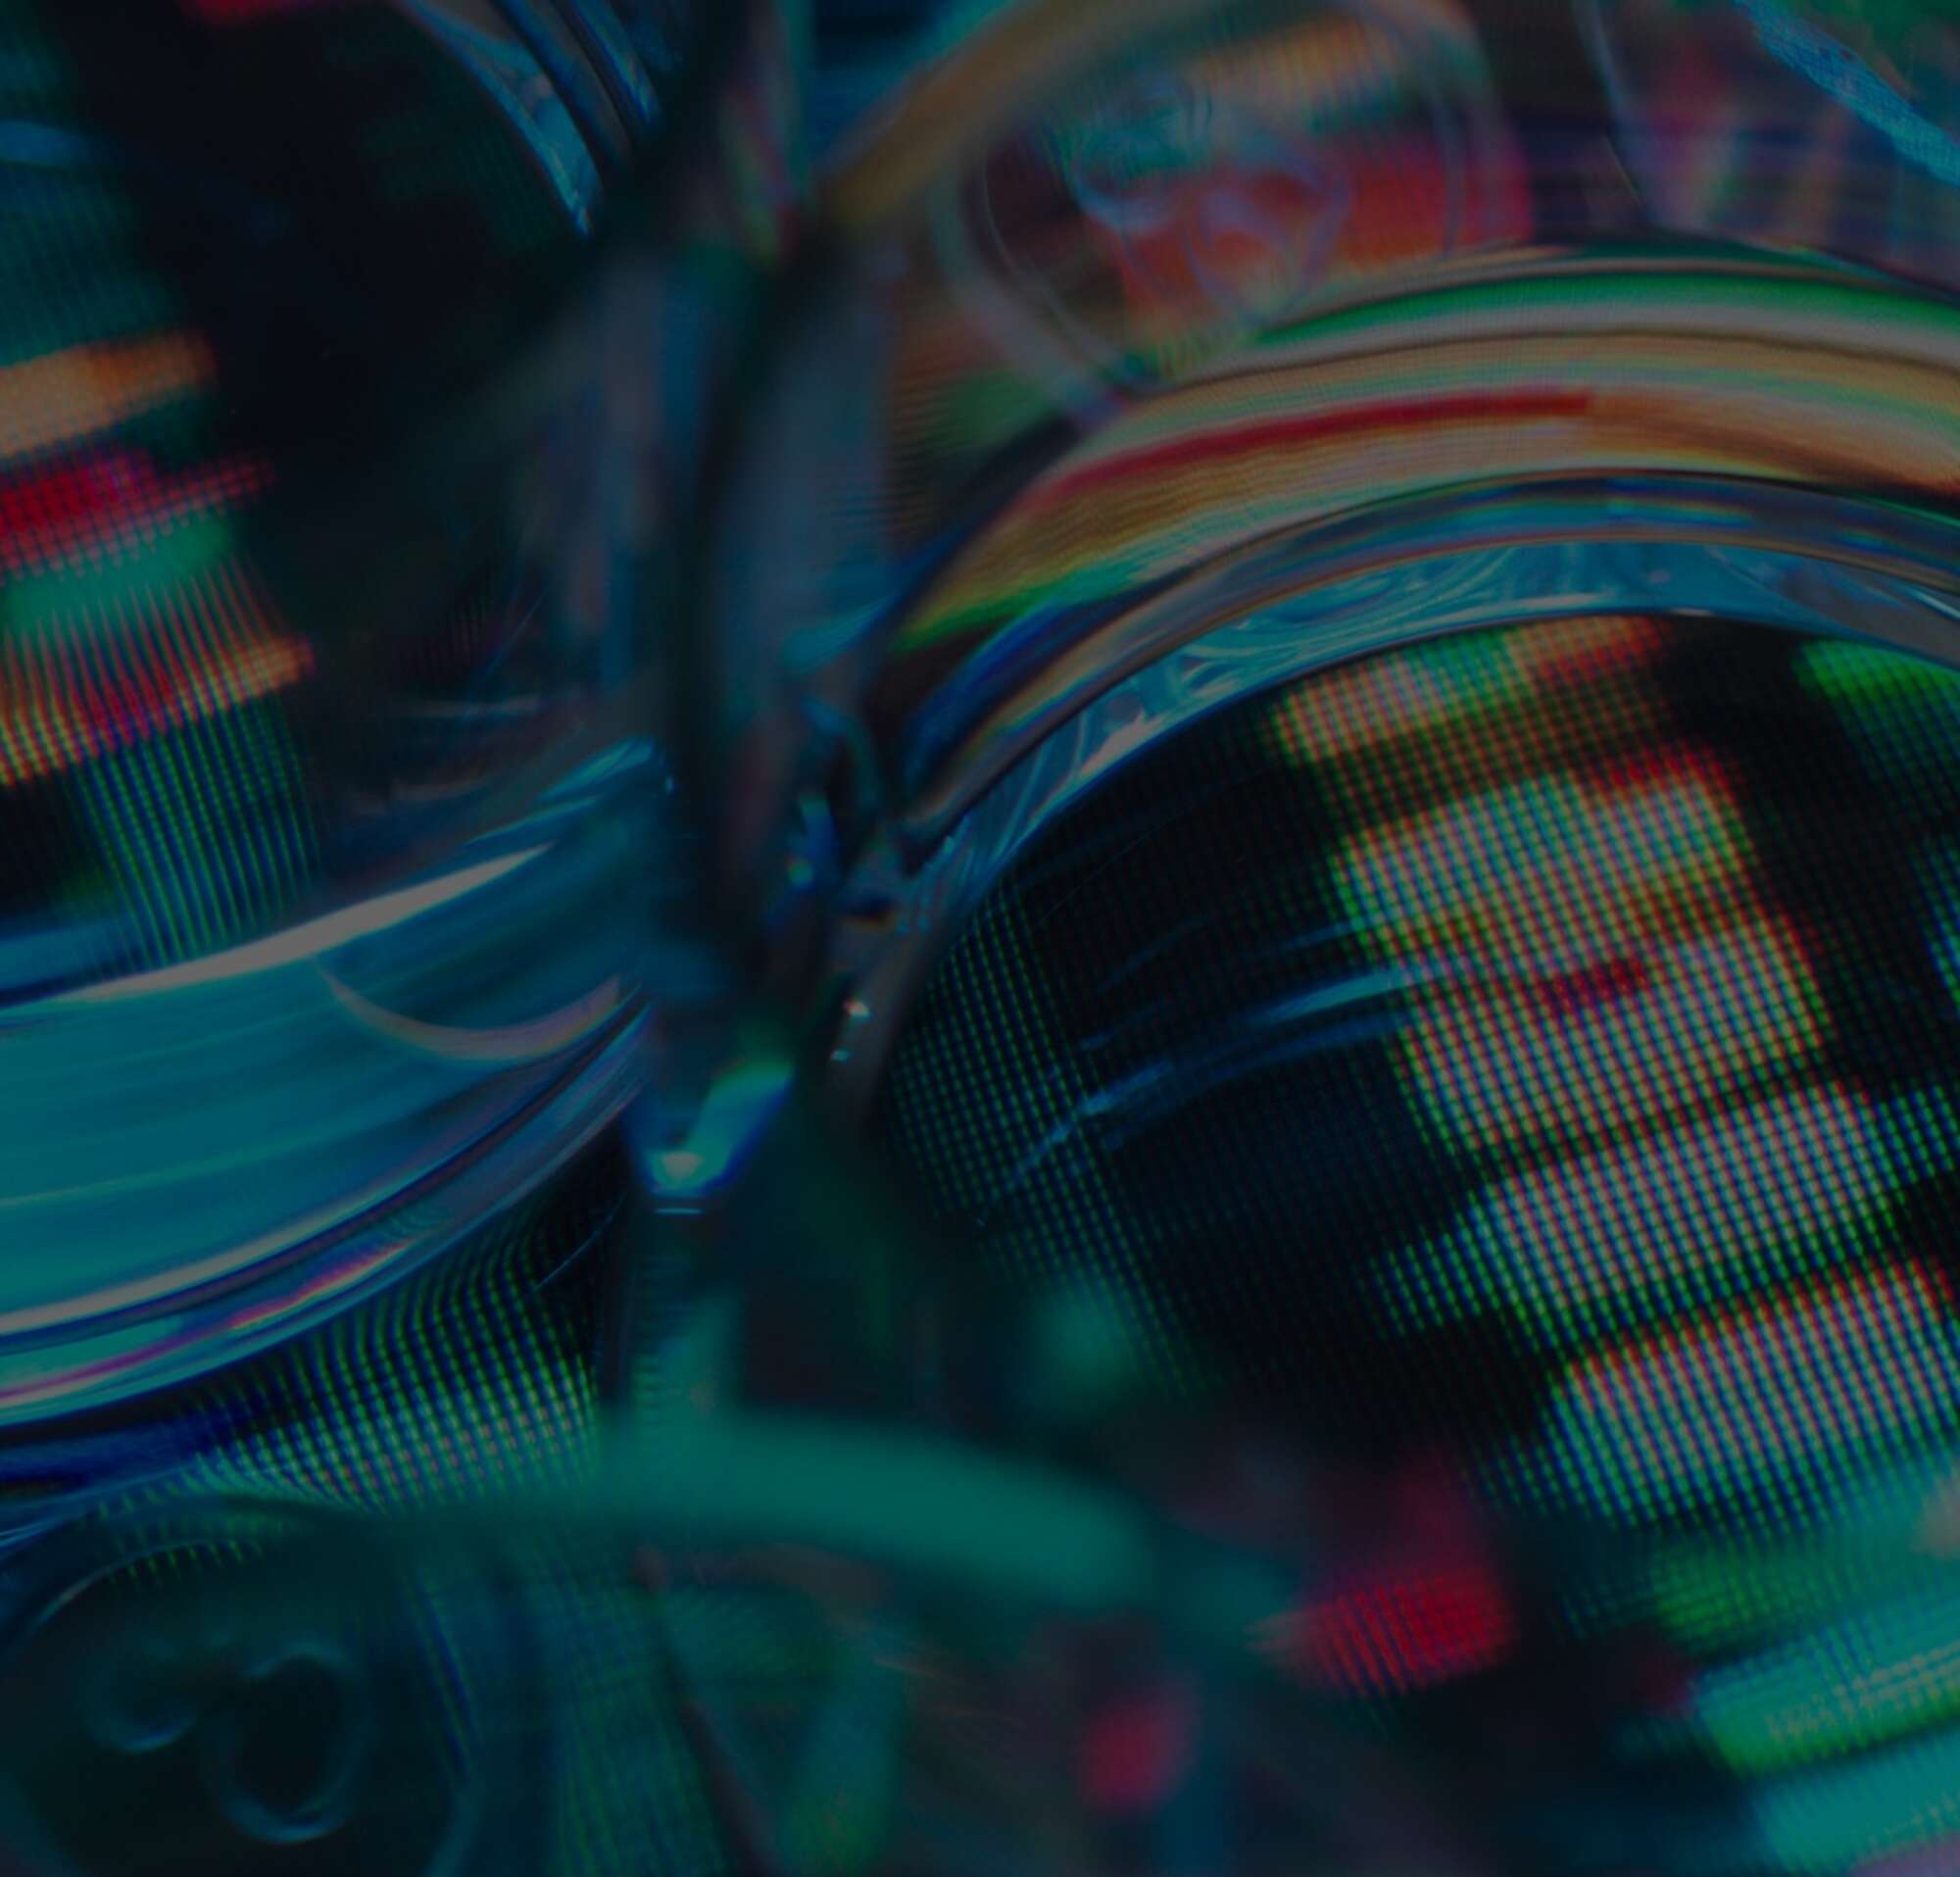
1312, 620
327, 920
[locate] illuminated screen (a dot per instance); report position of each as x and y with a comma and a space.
1538, 1046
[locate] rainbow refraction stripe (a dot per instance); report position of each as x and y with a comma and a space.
1588, 368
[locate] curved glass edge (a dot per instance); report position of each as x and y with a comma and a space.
1826, 566
907, 663
105, 1348
408, 1109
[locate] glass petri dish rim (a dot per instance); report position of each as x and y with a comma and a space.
894, 169
1823, 563
95, 1350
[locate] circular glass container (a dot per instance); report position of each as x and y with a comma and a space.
1331, 629
331, 496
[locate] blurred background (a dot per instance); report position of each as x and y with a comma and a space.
1007, 936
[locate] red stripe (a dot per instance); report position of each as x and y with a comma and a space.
1404, 1631
113, 497
1273, 432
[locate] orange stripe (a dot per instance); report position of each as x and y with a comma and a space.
84, 389
1386, 414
